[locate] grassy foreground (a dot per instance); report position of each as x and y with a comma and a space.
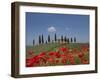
57, 54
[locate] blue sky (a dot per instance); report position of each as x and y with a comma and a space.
68, 25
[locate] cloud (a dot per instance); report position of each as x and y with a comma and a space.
51, 29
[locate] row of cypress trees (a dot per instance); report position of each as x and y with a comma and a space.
63, 39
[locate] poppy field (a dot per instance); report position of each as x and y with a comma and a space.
55, 54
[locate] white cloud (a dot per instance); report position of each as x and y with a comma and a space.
51, 29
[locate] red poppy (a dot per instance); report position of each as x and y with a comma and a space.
85, 48
51, 60
57, 61
85, 61
71, 55
51, 53
64, 61
37, 57
63, 56
30, 62
71, 58
63, 49
80, 55
42, 54
72, 62
57, 54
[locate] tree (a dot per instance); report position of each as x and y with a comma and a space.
65, 39
62, 38
74, 39
55, 37
42, 39
39, 39
71, 40
68, 40
33, 42
46, 42
49, 38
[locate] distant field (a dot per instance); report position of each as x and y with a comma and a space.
42, 47
72, 53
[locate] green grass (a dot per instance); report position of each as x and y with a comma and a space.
37, 49
42, 48
86, 56
77, 60
50, 47
68, 62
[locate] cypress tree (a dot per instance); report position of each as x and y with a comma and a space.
65, 39
55, 37
49, 38
33, 42
62, 38
39, 39
68, 40
74, 39
42, 39
71, 40
46, 42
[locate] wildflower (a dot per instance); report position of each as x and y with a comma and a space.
57, 61
57, 54
80, 55
64, 61
63, 49
51, 60
85, 61
51, 53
